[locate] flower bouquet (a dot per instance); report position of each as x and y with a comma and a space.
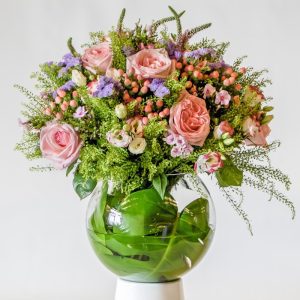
139, 116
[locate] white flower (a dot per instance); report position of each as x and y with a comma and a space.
118, 138
78, 78
137, 146
121, 111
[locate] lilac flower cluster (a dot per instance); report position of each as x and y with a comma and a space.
180, 146
158, 88
68, 61
218, 65
106, 87
200, 52
173, 51
68, 86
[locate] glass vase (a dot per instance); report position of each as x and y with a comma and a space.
146, 237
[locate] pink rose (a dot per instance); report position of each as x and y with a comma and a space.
256, 133
224, 127
60, 144
209, 163
190, 118
151, 63
98, 58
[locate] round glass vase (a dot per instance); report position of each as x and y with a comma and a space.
148, 236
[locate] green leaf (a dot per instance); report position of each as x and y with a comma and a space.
144, 212
229, 175
194, 219
98, 216
82, 187
70, 168
160, 184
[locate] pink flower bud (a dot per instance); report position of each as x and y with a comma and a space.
58, 100
48, 111
73, 103
61, 93
75, 94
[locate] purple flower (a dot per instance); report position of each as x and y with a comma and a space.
106, 87
173, 50
218, 65
54, 94
158, 88
80, 112
200, 52
68, 86
177, 55
161, 91
68, 61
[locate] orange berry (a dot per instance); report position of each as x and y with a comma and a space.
145, 120
190, 68
223, 78
134, 84
196, 73
61, 93
159, 103
139, 99
234, 74
127, 82
226, 82
58, 100
215, 74
228, 71
73, 103
166, 111
188, 84
162, 114
144, 90
231, 80
184, 74
148, 108
126, 97
179, 65
200, 76
147, 82
75, 94
238, 87
135, 90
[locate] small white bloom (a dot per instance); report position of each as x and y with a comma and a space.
121, 111
78, 78
118, 138
137, 146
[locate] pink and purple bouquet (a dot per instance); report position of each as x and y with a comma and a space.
139, 104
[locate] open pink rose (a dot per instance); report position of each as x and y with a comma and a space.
60, 144
98, 58
151, 63
256, 133
190, 118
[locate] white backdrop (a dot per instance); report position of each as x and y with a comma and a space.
44, 251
